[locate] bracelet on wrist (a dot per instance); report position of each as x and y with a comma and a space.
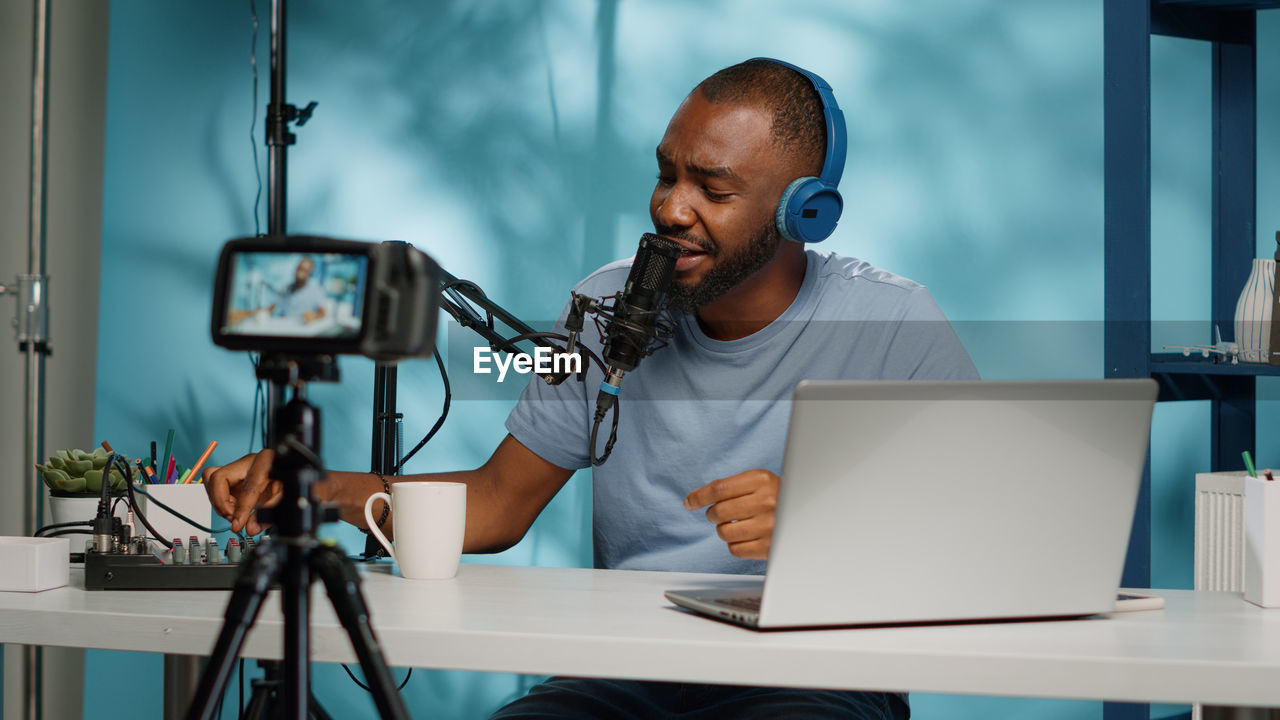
386, 504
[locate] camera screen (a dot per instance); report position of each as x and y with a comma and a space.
295, 294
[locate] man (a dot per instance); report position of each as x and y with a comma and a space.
692, 481
304, 300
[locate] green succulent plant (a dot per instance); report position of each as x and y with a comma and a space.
77, 471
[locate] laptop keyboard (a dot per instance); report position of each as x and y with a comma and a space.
745, 603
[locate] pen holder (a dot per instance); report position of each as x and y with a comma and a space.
1262, 541
191, 500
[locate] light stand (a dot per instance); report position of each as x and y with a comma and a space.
385, 455
294, 557
278, 138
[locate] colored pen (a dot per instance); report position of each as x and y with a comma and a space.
1267, 474
153, 454
107, 446
195, 469
182, 479
144, 472
168, 457
1248, 464
168, 475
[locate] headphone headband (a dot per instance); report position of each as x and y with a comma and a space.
810, 207
833, 161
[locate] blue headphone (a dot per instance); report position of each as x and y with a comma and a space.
810, 206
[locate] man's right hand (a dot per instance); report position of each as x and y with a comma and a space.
504, 495
238, 489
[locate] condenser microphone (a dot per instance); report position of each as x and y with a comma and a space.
633, 329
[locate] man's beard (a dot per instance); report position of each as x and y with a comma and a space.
729, 270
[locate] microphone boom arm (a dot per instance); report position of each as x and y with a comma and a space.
457, 298
628, 330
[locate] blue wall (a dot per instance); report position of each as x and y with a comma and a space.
514, 143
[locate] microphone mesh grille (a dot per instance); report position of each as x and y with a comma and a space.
657, 270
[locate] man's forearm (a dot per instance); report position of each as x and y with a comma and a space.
484, 531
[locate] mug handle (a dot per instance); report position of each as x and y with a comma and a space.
373, 526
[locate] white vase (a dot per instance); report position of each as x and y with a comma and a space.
1253, 312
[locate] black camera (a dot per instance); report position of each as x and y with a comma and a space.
306, 295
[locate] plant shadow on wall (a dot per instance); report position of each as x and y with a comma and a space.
467, 97
976, 152
473, 96
197, 418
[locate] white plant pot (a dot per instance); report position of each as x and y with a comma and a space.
81, 507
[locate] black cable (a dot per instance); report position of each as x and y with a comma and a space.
613, 436
253, 116
259, 409
241, 706
51, 526
133, 502
68, 531
104, 504
257, 396
444, 413
356, 680
184, 518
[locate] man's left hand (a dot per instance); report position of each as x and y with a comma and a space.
742, 508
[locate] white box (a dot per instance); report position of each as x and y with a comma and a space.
32, 564
1262, 541
190, 500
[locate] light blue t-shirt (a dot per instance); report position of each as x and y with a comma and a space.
293, 303
701, 409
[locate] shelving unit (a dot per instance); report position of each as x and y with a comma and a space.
1230, 27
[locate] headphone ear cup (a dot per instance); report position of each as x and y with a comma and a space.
808, 210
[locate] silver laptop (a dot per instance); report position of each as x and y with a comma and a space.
924, 501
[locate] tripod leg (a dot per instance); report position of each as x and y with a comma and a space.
242, 610
295, 599
342, 582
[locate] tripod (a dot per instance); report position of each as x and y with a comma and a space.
293, 558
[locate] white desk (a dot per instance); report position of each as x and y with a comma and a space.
1212, 648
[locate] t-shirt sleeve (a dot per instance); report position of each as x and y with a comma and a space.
551, 420
925, 346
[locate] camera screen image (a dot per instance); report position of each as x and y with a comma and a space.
295, 294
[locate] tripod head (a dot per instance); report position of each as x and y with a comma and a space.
298, 463
296, 428
293, 371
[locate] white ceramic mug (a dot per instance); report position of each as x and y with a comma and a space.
428, 520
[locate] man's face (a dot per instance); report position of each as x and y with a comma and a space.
719, 179
303, 272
